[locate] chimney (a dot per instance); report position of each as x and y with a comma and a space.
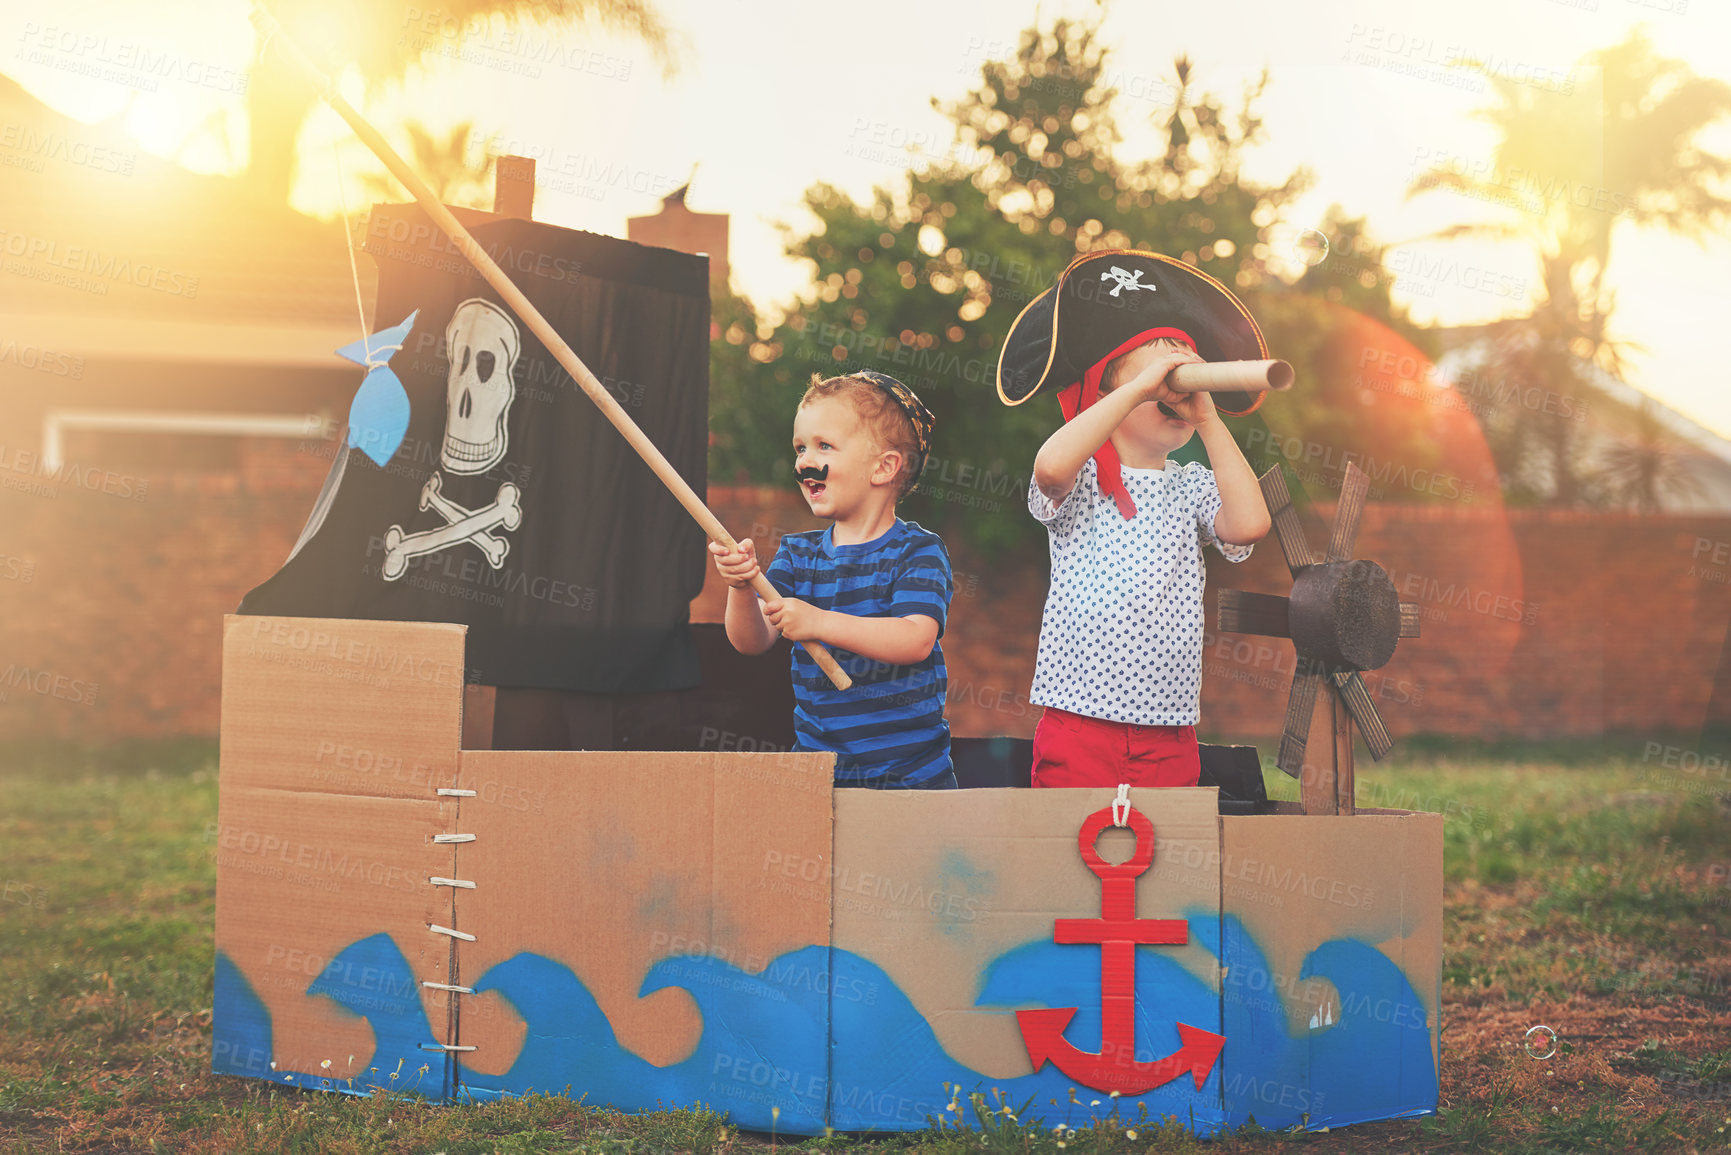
514, 186
677, 227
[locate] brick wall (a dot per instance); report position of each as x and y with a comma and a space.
113, 586
1536, 624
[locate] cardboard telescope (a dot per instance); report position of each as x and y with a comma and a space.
1233, 377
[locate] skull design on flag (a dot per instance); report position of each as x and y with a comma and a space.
482, 344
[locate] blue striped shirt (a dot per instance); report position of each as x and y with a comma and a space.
889, 728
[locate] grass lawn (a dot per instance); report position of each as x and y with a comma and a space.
1586, 890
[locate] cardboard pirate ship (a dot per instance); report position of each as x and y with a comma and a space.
679, 927
402, 905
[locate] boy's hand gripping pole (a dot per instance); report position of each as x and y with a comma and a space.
495, 276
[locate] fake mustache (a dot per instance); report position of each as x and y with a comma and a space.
811, 474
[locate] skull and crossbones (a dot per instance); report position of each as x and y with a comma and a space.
482, 345
1125, 279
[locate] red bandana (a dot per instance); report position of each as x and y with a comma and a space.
1085, 392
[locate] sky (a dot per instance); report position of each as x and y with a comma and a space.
770, 97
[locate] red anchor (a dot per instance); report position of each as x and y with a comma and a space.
1118, 932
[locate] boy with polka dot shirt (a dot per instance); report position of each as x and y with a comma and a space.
1119, 667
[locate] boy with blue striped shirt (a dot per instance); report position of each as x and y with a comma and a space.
873, 587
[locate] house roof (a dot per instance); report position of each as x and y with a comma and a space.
109, 252
1701, 455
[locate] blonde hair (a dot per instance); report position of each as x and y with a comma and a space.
888, 423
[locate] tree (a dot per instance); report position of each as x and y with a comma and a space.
1338, 313
1648, 468
1352, 271
1617, 145
382, 40
749, 439
924, 279
445, 165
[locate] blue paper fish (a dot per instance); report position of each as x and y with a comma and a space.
379, 414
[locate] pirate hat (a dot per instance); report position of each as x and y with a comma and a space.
1103, 306
1109, 302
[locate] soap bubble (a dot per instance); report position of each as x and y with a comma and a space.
1311, 247
1296, 246
1545, 1045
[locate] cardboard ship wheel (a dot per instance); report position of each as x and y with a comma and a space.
1343, 616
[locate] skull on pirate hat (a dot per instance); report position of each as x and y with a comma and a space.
1109, 302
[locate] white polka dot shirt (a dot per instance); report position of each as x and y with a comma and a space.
1121, 638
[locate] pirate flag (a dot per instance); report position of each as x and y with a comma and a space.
511, 505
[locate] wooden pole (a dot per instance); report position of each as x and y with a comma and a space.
1318, 778
531, 316
1344, 790
1316, 782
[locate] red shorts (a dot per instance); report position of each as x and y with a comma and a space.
1075, 750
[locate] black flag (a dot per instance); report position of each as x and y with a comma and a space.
512, 505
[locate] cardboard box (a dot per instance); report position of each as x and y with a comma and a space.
654, 929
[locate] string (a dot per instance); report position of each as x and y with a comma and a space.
264, 44
349, 242
1121, 805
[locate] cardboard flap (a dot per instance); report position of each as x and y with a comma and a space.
644, 926
336, 736
946, 904
323, 903
1332, 933
346, 707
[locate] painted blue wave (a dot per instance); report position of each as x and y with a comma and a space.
761, 1054
761, 1050
369, 979
888, 1062
1373, 1062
